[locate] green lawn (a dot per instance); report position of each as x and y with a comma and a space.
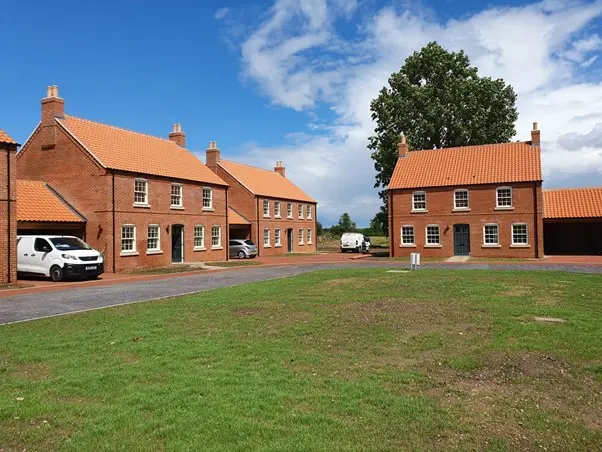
339, 360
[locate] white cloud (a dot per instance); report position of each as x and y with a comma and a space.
221, 13
299, 61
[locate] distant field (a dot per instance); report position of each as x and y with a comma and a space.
334, 243
346, 360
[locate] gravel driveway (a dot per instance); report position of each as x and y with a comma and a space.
17, 308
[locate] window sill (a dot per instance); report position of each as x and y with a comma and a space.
143, 206
277, 246
407, 245
433, 246
199, 248
154, 252
267, 246
419, 211
504, 208
217, 247
266, 216
520, 245
208, 209
128, 253
310, 243
177, 208
461, 209
301, 244
277, 216
491, 245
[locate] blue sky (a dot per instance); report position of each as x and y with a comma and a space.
292, 79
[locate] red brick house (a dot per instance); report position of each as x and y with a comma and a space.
276, 214
8, 209
479, 201
147, 201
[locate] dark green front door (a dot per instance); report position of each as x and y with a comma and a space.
177, 239
461, 240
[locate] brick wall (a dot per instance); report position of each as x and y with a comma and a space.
8, 208
482, 204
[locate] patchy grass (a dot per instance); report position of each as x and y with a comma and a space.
176, 268
352, 360
234, 263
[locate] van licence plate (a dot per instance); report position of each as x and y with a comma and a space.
93, 267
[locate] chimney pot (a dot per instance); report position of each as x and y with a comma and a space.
535, 135
177, 136
212, 156
279, 168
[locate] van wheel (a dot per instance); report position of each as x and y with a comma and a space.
241, 255
56, 273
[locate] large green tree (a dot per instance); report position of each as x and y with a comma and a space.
437, 100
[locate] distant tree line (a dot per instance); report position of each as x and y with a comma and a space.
378, 226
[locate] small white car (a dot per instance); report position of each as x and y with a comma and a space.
57, 256
354, 241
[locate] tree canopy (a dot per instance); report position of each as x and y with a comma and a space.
437, 99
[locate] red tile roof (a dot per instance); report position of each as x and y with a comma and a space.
573, 203
4, 138
36, 201
468, 165
265, 182
122, 149
235, 218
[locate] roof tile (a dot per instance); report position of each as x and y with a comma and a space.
125, 150
468, 165
37, 202
265, 182
4, 138
235, 218
573, 203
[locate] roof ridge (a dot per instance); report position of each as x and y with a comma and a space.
571, 189
122, 129
470, 146
246, 164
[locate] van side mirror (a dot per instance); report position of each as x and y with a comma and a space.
46, 249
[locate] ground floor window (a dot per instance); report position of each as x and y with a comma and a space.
407, 235
153, 243
300, 236
519, 234
199, 237
309, 238
277, 241
128, 238
432, 235
266, 237
216, 236
491, 234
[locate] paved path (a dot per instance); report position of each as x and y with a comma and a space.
29, 306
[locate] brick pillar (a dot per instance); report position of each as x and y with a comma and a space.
8, 212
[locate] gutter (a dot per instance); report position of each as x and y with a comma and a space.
227, 247
8, 203
113, 211
257, 199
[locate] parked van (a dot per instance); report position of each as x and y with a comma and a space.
57, 256
354, 241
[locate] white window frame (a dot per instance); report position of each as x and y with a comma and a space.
309, 236
420, 209
208, 199
276, 209
267, 239
519, 244
300, 212
219, 237
289, 210
467, 206
491, 244
200, 247
266, 208
157, 249
497, 198
301, 236
401, 234
181, 195
131, 251
145, 192
277, 238
308, 213
426, 236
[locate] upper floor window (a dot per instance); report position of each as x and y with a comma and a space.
309, 211
461, 199
300, 211
503, 197
277, 209
140, 191
176, 195
266, 208
289, 210
419, 201
207, 198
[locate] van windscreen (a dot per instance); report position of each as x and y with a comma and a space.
69, 244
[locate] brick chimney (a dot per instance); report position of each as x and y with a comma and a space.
535, 135
177, 136
279, 168
212, 155
403, 146
52, 107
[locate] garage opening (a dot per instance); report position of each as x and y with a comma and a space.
573, 237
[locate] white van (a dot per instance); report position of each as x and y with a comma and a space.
57, 256
354, 241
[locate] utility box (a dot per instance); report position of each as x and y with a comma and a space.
414, 260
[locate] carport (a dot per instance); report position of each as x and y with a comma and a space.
42, 210
572, 221
238, 226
